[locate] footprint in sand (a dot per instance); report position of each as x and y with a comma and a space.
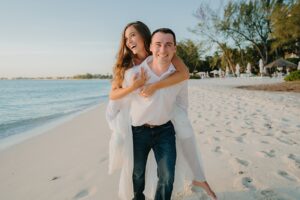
242, 162
55, 178
217, 149
216, 139
269, 134
286, 140
239, 139
85, 193
295, 159
269, 194
268, 126
82, 194
103, 159
248, 183
228, 130
265, 142
269, 154
285, 175
285, 120
284, 132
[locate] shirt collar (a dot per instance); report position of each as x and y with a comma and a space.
169, 71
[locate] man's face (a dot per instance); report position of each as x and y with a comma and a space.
163, 47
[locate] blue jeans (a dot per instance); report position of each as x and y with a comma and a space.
161, 140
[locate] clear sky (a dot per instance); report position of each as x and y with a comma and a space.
68, 37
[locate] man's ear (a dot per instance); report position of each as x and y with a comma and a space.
150, 47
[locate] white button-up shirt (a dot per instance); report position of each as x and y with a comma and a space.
158, 108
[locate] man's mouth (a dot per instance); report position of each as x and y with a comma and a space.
163, 56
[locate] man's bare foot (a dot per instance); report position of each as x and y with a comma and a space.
207, 189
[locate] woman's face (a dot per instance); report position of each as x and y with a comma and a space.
134, 40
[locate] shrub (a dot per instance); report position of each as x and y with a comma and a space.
293, 76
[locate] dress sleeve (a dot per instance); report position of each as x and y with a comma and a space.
182, 97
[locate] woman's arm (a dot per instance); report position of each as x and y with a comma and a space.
181, 74
118, 92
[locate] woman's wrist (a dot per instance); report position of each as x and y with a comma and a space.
155, 86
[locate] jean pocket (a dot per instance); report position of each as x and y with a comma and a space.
168, 125
137, 129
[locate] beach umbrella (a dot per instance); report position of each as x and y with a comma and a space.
220, 72
227, 71
237, 69
281, 63
248, 68
261, 66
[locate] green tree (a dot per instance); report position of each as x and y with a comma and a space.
249, 20
285, 22
208, 28
189, 52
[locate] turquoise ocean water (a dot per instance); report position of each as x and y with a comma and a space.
28, 104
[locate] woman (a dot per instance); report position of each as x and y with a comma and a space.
133, 50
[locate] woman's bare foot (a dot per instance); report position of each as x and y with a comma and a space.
207, 189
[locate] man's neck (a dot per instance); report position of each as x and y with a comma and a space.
159, 68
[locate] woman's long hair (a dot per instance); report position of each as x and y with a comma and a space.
125, 56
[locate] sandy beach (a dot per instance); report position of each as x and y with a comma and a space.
249, 141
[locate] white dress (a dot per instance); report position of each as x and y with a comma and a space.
188, 162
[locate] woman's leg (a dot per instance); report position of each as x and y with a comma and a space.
193, 158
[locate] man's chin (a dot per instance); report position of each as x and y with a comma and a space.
164, 61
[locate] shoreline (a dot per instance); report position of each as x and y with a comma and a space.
43, 128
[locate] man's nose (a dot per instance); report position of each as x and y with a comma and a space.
162, 48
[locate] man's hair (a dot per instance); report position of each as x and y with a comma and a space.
165, 30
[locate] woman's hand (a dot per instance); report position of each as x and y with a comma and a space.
148, 90
139, 79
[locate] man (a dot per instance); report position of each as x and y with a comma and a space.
151, 125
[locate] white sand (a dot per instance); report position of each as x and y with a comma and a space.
250, 144
75, 152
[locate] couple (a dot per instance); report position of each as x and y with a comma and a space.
143, 118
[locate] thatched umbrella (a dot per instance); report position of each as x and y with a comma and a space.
281, 63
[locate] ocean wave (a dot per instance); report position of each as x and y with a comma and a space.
15, 127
